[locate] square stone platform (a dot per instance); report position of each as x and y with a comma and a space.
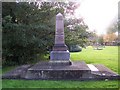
57, 71
47, 70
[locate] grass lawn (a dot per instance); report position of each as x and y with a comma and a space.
108, 56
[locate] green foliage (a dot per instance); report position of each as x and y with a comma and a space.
7, 19
100, 40
74, 48
75, 33
30, 33
29, 29
21, 43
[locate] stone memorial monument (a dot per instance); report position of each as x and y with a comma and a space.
60, 54
60, 67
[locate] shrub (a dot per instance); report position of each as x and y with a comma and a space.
74, 48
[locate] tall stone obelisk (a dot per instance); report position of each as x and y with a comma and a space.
60, 54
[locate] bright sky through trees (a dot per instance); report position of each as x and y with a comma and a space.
98, 14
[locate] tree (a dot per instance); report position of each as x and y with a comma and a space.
111, 32
92, 37
8, 9
30, 33
29, 29
101, 39
75, 32
110, 37
113, 28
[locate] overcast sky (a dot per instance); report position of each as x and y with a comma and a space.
98, 14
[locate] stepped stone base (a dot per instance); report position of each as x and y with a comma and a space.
60, 62
51, 71
78, 70
59, 47
17, 73
104, 73
60, 55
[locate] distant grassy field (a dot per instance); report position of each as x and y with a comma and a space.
108, 56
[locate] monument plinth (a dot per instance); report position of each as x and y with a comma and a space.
59, 67
60, 54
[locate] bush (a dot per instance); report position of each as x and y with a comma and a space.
74, 48
22, 43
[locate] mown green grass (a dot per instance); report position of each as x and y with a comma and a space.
59, 84
108, 56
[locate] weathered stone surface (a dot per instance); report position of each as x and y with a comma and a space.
60, 52
59, 55
103, 72
59, 39
80, 65
17, 73
42, 70
60, 47
53, 71
60, 62
59, 34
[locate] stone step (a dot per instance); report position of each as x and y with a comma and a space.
77, 71
100, 71
46, 70
105, 71
17, 73
92, 67
77, 65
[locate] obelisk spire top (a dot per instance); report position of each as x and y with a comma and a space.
59, 14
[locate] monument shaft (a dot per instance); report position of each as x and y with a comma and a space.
60, 52
59, 34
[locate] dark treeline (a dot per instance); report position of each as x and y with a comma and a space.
28, 30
